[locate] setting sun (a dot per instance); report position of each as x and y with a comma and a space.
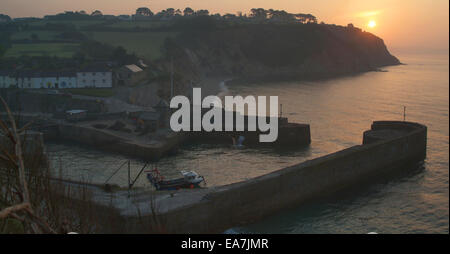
372, 24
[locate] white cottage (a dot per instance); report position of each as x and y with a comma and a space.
36, 81
8, 79
24, 79
67, 80
44, 80
98, 77
54, 80
12, 81
4, 75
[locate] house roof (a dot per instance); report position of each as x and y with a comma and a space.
133, 68
142, 64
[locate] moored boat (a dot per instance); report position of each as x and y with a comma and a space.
189, 180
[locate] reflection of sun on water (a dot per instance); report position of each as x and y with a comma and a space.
372, 24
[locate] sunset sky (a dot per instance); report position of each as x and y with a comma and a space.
403, 24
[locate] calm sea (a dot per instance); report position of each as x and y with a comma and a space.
339, 111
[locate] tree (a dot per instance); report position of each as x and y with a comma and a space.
96, 13
120, 55
202, 13
305, 18
170, 12
311, 19
188, 12
300, 18
4, 18
144, 11
259, 14
229, 16
96, 50
216, 16
167, 13
281, 16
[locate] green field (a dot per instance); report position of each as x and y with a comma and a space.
141, 24
42, 35
42, 49
76, 23
96, 92
144, 44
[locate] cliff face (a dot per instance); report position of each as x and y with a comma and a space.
297, 51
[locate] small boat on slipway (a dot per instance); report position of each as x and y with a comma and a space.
189, 180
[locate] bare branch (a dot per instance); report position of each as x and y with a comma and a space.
13, 209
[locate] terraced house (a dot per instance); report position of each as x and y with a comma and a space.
7, 80
98, 77
67, 80
86, 78
44, 80
25, 79
129, 75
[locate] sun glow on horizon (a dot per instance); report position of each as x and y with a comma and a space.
368, 13
372, 24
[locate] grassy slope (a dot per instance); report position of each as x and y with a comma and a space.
134, 24
76, 23
42, 49
42, 35
144, 44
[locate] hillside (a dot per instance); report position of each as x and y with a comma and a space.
275, 51
246, 48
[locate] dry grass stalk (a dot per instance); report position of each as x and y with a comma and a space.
32, 198
37, 224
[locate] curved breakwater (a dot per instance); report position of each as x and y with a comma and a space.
220, 208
